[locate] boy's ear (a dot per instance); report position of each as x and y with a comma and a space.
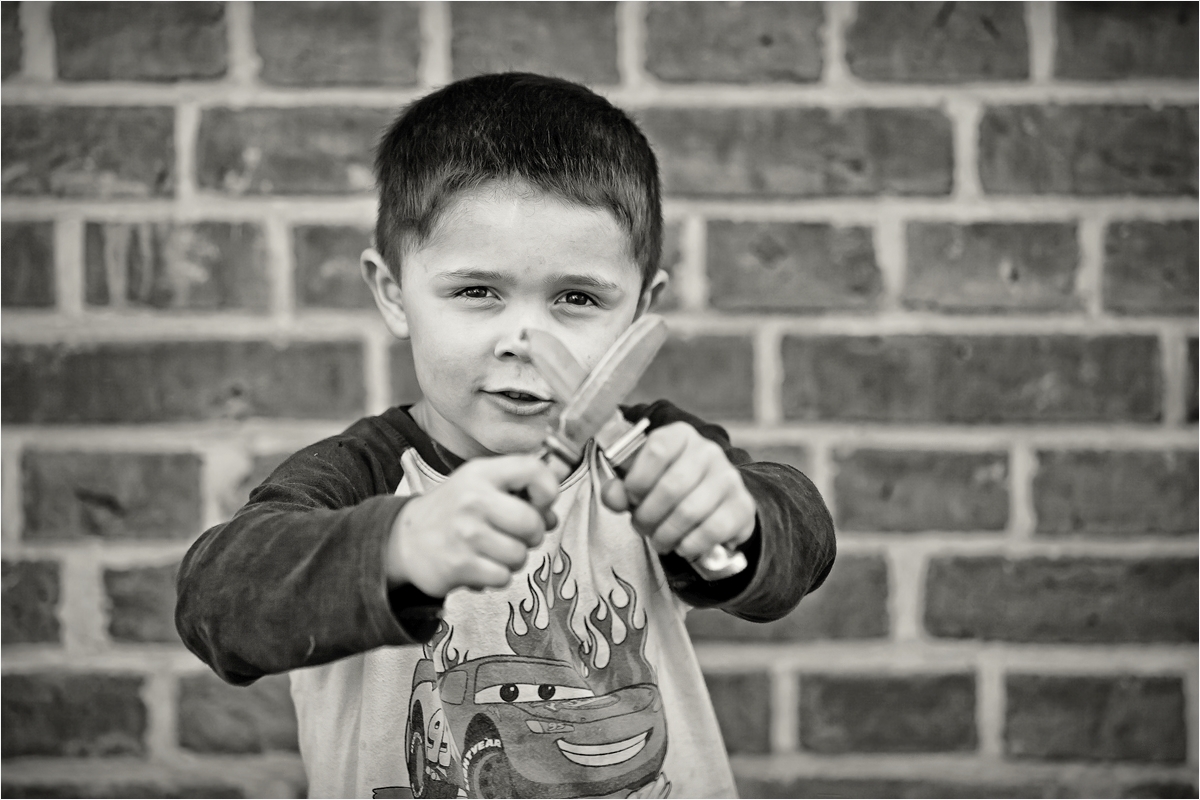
650, 295
386, 291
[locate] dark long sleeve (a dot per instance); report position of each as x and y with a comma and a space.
296, 578
791, 551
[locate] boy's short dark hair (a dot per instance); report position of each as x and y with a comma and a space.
554, 135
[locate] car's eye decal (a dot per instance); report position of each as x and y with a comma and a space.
530, 693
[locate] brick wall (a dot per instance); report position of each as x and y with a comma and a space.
943, 257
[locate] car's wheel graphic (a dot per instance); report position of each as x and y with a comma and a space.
416, 755
487, 770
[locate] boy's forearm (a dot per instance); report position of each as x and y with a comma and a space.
279, 588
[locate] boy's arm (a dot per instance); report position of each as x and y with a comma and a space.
297, 577
791, 550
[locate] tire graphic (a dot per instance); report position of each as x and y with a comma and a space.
416, 756
487, 770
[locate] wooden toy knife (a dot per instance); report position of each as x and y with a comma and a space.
591, 410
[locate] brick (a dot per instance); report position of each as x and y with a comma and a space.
338, 44
986, 267
742, 702
1151, 267
1094, 718
327, 266
120, 789
1191, 401
793, 456
261, 467
1088, 150
754, 783
405, 389
214, 717
801, 152
73, 715
11, 43
670, 262
1107, 41
73, 496
710, 376
1068, 600
288, 151
576, 41
1116, 492
203, 266
92, 152
891, 490
938, 42
851, 604
791, 266
181, 381
1148, 789
136, 42
972, 379
141, 603
27, 265
750, 42
887, 714
31, 594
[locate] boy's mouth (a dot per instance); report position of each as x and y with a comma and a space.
520, 403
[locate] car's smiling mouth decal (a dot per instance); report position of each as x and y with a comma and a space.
604, 755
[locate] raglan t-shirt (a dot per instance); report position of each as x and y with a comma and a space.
578, 679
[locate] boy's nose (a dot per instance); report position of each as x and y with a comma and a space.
510, 345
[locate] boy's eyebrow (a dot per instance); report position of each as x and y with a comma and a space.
584, 280
580, 279
471, 274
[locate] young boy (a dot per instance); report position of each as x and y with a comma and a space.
456, 621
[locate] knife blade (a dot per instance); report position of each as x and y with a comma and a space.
592, 411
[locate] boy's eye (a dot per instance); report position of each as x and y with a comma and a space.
577, 299
476, 292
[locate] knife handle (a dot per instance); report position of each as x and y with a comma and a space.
717, 563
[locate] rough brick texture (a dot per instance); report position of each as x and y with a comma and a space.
755, 784
73, 496
851, 604
743, 705
987, 267
1151, 267
31, 594
65, 789
1123, 718
27, 265
1088, 150
405, 388
1125, 40
214, 717
801, 152
261, 467
712, 376
95, 152
139, 42
1190, 400
670, 262
576, 41
972, 379
181, 381
1080, 600
11, 44
327, 266
288, 151
773, 266
888, 490
938, 42
201, 267
750, 42
141, 603
337, 44
1119, 492
72, 714
894, 714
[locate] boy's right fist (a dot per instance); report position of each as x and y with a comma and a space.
472, 530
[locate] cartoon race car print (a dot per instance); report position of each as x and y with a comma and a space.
518, 726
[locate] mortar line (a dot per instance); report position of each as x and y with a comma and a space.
68, 264
1039, 21
838, 18
692, 289
83, 606
768, 376
159, 694
223, 464
38, 48
631, 43
1191, 701
377, 371
891, 256
990, 704
785, 711
244, 63
187, 127
822, 471
965, 113
12, 512
1089, 280
906, 575
434, 65
1175, 371
1023, 466
281, 269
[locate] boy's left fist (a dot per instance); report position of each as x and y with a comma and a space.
686, 496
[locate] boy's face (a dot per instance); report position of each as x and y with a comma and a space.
499, 261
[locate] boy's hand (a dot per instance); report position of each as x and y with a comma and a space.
687, 496
471, 530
